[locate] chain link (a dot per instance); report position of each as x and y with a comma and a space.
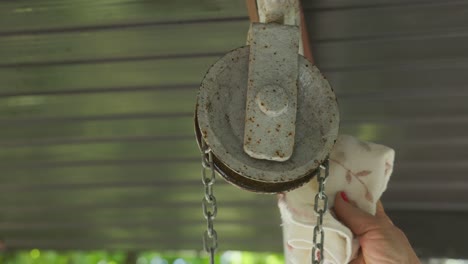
210, 209
320, 208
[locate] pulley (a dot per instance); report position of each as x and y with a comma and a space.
269, 117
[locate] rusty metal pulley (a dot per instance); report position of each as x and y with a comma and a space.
267, 114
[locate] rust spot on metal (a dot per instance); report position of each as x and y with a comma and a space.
209, 107
258, 141
251, 119
258, 125
290, 134
279, 154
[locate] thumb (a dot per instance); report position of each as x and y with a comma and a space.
354, 218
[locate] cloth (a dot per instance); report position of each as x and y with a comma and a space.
362, 170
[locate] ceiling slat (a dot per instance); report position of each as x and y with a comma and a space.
391, 18
263, 243
354, 54
178, 148
148, 43
139, 193
327, 5
51, 16
140, 76
184, 101
135, 195
101, 213
165, 72
384, 131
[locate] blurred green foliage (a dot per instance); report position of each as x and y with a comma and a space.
36, 256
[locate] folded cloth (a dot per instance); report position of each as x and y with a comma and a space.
360, 169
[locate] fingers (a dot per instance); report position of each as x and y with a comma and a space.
380, 212
357, 220
358, 260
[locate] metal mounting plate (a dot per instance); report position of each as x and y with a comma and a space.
221, 116
270, 121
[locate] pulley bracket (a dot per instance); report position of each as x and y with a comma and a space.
270, 120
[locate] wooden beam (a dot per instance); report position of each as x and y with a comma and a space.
252, 10
305, 37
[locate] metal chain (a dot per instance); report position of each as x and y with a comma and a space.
210, 209
210, 236
320, 208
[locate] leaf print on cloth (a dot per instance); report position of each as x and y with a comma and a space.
365, 145
349, 176
363, 173
388, 167
369, 196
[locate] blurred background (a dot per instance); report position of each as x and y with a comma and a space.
98, 161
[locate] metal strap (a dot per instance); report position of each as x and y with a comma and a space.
271, 100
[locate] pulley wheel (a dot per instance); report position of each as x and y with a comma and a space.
220, 121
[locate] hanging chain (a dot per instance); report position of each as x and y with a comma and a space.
320, 208
210, 209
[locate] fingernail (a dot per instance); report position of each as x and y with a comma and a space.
344, 196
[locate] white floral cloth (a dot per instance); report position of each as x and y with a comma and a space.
362, 170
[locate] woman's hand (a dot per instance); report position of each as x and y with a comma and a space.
381, 242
